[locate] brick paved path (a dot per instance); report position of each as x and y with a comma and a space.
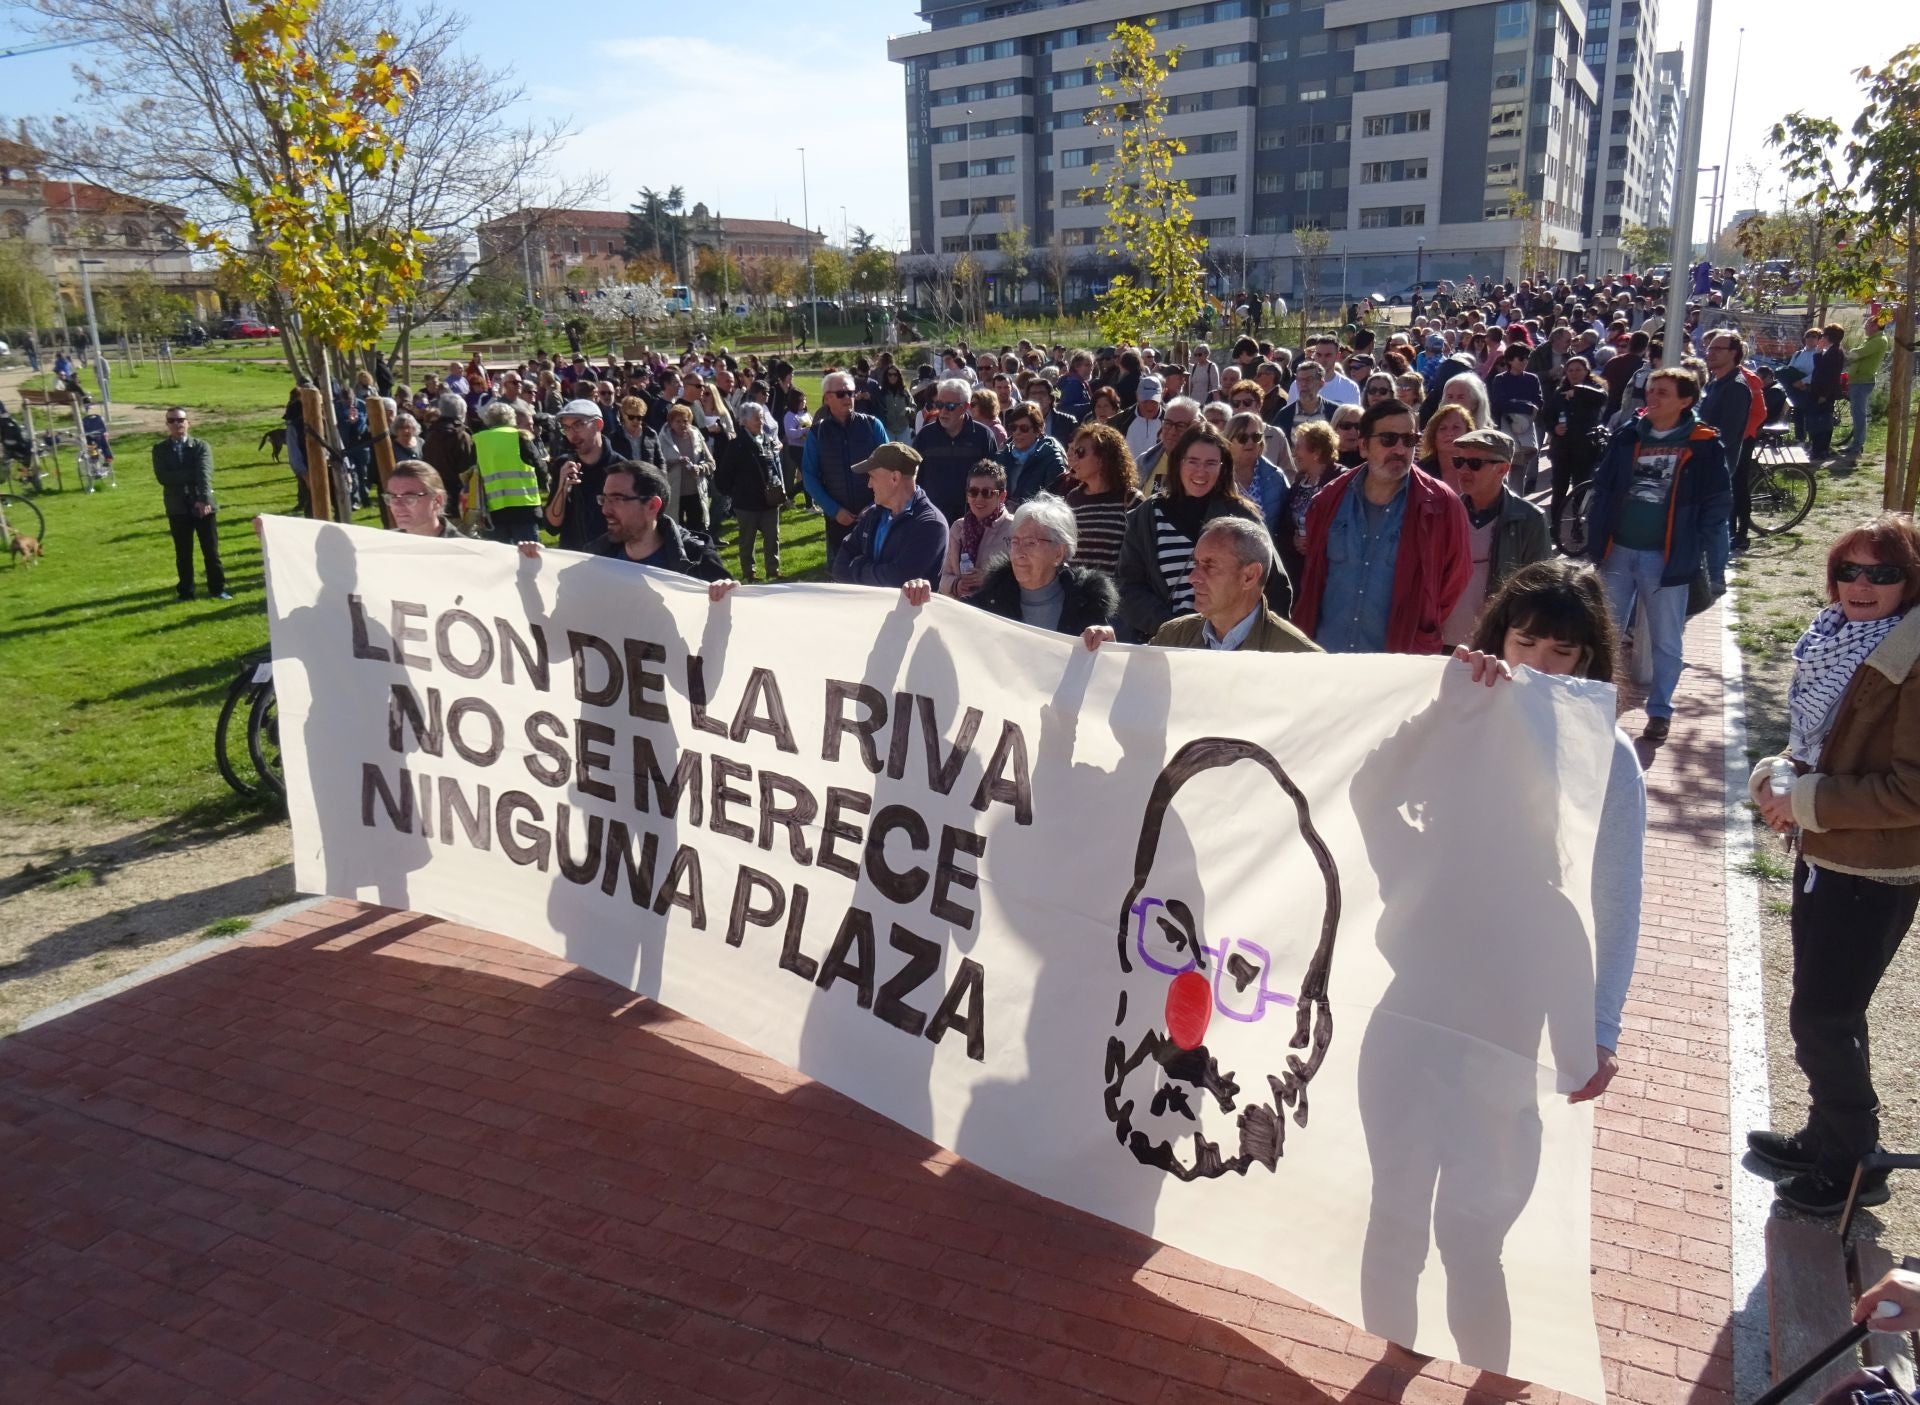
368, 1156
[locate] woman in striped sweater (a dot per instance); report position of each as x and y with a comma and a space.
1102, 486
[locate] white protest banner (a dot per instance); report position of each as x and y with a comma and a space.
1282, 960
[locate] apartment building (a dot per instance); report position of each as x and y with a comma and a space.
1402, 127
1622, 148
1670, 119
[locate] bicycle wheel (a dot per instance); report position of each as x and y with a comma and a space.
1573, 519
23, 519
1842, 421
263, 739
236, 767
1782, 498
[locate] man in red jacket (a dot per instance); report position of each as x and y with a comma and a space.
1388, 548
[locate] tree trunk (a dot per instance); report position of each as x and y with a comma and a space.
1901, 440
319, 499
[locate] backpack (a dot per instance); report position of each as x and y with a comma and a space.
1757, 409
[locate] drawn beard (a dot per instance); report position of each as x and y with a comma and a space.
1175, 1109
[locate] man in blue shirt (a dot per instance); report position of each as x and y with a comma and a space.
902, 536
839, 439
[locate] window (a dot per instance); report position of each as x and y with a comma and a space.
1311, 44
952, 209
1213, 143
1072, 78
1216, 229
1423, 24
1271, 141
1418, 73
1274, 8
1506, 121
1084, 155
1599, 17
1229, 53
1273, 94
1378, 172
1213, 185
1276, 51
1391, 216
1596, 53
1313, 90
1270, 185
1388, 124
1508, 79
1316, 179
1270, 224
1512, 19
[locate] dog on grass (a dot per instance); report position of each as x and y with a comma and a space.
277, 438
26, 548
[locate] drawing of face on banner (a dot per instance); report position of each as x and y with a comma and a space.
1222, 1016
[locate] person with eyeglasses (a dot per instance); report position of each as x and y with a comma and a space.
183, 466
1176, 417
573, 509
980, 537
1387, 548
1505, 531
834, 443
417, 497
632, 505
1845, 787
629, 435
949, 447
1259, 480
1660, 512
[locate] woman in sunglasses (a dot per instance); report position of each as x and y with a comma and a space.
1846, 786
1103, 486
1258, 479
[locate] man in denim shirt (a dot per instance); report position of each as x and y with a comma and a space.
1388, 551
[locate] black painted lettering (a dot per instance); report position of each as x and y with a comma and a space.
697, 696
579, 645
548, 763
863, 729
683, 888
923, 959
404, 714
968, 985
362, 647
791, 957
900, 737
646, 687
443, 644
794, 818
686, 777
745, 913
592, 752
763, 710
620, 859
399, 807
904, 886
850, 958
476, 822
495, 737
832, 827
404, 633
585, 869
535, 662
525, 842
995, 785
941, 775
723, 794
948, 875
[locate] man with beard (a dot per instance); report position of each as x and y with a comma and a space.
573, 509
631, 499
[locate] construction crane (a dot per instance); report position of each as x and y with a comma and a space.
23, 49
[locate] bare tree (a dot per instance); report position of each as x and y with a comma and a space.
173, 122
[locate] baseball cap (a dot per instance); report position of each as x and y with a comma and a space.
1149, 388
580, 409
897, 457
1497, 444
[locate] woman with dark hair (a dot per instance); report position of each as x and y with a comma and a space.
1848, 786
1552, 617
1156, 555
1127, 384
1449, 422
1103, 487
895, 403
1032, 458
1577, 409
1106, 405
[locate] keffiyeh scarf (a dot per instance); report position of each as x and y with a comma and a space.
1824, 662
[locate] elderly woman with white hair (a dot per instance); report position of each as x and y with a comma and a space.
1469, 392
750, 474
1035, 585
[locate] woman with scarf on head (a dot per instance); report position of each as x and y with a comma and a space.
1848, 787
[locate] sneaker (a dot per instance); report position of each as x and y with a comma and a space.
223, 595
1815, 1193
1782, 1152
1657, 729
1742, 543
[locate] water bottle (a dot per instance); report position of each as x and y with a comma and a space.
1780, 779
966, 564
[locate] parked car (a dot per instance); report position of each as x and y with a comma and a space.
245, 328
1425, 290
1659, 273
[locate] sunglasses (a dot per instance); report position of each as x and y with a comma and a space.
1850, 571
1461, 461
1248, 438
606, 498
983, 492
949, 405
404, 499
839, 395
1393, 439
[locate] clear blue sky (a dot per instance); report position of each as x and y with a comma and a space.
715, 99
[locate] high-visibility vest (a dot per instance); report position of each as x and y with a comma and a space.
506, 479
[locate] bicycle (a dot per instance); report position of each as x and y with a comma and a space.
255, 772
1781, 494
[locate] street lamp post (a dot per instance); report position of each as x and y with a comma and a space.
1419, 262
806, 217
1689, 177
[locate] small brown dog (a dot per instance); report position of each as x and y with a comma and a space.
277, 438
26, 548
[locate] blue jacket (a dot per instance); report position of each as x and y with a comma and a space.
1270, 494
914, 548
828, 457
1045, 464
1699, 506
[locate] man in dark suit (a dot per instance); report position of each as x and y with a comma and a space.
184, 466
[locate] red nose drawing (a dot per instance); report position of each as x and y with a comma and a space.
1189, 1007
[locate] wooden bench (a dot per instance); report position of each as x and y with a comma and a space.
45, 397
490, 348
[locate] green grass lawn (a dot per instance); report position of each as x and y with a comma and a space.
110, 686
208, 386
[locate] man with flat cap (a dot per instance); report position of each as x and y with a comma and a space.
1505, 530
902, 536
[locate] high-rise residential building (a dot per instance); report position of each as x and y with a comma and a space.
1402, 127
1670, 117
1621, 147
